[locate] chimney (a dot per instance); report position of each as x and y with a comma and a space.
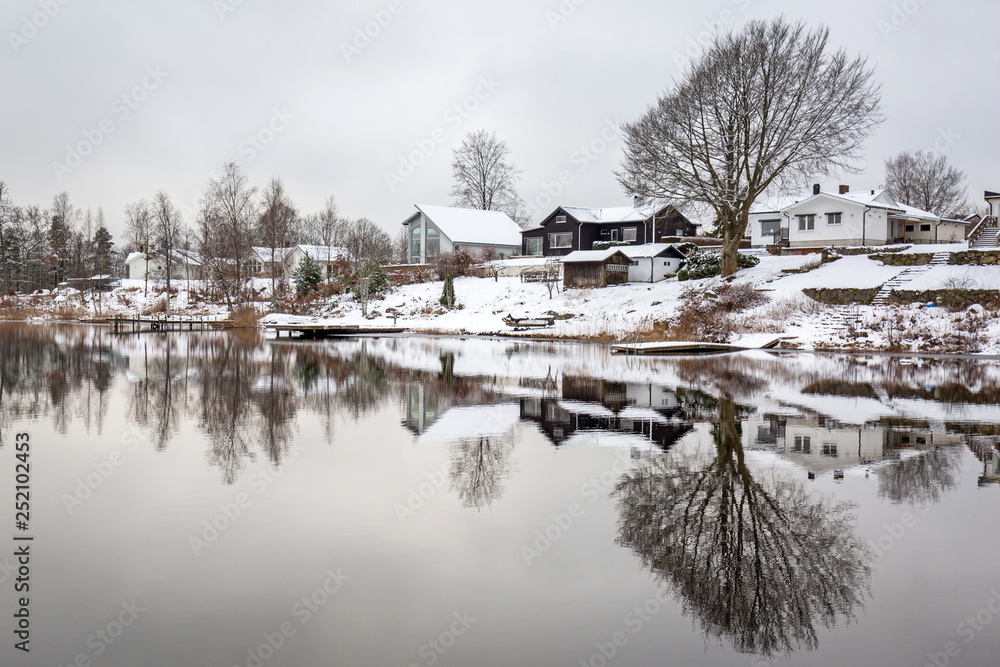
873, 193
844, 189
816, 189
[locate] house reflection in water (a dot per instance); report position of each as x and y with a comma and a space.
986, 451
821, 446
588, 406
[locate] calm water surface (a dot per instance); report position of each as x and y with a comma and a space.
209, 499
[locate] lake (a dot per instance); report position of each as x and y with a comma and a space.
225, 499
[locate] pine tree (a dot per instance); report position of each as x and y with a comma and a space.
307, 276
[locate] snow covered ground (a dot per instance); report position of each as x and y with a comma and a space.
620, 311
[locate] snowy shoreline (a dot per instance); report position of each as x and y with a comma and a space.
614, 314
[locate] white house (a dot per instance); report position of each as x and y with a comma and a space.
186, 264
325, 256
433, 230
845, 218
653, 262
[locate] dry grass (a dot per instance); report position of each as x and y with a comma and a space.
245, 317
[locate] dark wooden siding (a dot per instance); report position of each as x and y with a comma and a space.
595, 274
668, 223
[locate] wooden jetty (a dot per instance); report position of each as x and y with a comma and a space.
152, 324
317, 331
665, 348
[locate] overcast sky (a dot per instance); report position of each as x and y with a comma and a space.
166, 93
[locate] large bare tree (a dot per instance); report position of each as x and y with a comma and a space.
763, 109
276, 228
226, 223
926, 180
168, 232
485, 179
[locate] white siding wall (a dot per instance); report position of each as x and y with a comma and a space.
658, 267
849, 232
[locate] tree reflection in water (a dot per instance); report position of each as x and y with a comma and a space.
759, 562
479, 468
921, 479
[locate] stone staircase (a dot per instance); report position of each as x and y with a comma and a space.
884, 294
989, 239
839, 320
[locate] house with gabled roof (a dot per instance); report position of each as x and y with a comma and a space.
433, 230
574, 228
845, 218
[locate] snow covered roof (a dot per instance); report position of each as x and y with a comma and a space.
279, 254
651, 250
465, 225
610, 215
182, 256
321, 253
774, 204
472, 422
582, 256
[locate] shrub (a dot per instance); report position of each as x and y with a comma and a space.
604, 245
683, 275
456, 264
709, 264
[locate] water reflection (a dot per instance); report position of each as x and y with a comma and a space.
756, 559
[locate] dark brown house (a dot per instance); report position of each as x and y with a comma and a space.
595, 268
571, 228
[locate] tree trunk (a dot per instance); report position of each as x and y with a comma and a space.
730, 250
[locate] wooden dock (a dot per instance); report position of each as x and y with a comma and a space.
664, 348
152, 324
317, 331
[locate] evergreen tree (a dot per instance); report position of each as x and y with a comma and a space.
307, 276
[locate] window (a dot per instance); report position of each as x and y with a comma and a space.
561, 240
561, 219
925, 228
630, 234
533, 247
834, 218
910, 228
433, 243
803, 443
415, 245
807, 223
770, 227
830, 449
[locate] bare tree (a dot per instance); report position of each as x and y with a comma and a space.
765, 108
139, 232
927, 181
485, 179
226, 224
366, 242
168, 232
276, 228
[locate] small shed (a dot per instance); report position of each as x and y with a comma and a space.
653, 262
596, 268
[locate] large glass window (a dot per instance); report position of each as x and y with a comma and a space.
415, 244
533, 247
629, 234
770, 227
433, 243
807, 223
561, 240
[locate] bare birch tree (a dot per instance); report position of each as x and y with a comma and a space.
763, 109
927, 181
168, 232
276, 228
226, 224
485, 179
139, 233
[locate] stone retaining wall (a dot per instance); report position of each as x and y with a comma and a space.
898, 259
976, 258
842, 296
